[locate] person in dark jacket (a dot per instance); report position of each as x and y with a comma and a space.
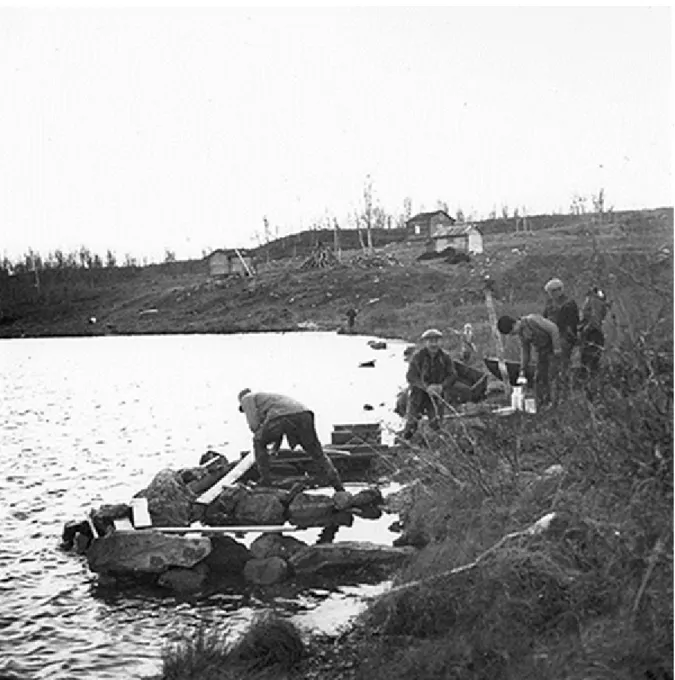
431, 373
536, 331
563, 311
271, 417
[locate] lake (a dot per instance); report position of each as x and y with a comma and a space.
91, 420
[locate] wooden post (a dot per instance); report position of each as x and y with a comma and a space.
492, 315
243, 261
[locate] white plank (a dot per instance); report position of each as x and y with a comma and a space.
123, 524
139, 511
265, 529
247, 462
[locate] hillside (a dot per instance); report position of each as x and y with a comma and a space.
395, 294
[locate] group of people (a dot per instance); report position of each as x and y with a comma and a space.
554, 335
432, 376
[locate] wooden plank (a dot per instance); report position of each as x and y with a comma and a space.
243, 261
139, 513
123, 524
358, 427
247, 462
262, 528
492, 315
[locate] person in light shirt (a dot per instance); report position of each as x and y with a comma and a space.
272, 416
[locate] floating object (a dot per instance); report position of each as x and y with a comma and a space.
368, 407
367, 364
377, 344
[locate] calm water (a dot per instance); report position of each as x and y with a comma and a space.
87, 421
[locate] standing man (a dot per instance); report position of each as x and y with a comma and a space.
270, 417
535, 330
564, 313
431, 372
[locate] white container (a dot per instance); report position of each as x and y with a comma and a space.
530, 405
518, 395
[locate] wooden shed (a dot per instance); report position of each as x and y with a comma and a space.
467, 238
234, 261
426, 224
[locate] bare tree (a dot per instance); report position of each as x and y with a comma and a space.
368, 210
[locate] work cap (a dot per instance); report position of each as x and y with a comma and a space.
431, 333
243, 393
553, 284
505, 324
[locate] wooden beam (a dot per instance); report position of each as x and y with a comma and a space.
247, 462
243, 261
264, 529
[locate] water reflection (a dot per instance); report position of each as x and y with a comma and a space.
88, 421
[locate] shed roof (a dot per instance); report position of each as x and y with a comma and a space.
426, 216
456, 231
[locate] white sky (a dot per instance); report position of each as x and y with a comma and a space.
144, 129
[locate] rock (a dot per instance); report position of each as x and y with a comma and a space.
377, 344
306, 509
82, 542
220, 512
401, 502
259, 508
275, 545
342, 500
267, 571
227, 556
105, 516
169, 500
70, 531
192, 475
368, 512
369, 496
414, 536
346, 555
182, 580
145, 551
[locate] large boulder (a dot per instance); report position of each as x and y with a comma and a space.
310, 509
267, 571
275, 545
402, 501
182, 580
145, 551
347, 555
259, 508
227, 556
169, 500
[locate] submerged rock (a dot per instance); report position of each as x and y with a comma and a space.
182, 580
169, 500
350, 554
145, 551
227, 556
275, 545
266, 572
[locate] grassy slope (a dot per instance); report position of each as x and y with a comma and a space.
392, 300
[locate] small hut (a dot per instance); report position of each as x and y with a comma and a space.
226, 262
467, 238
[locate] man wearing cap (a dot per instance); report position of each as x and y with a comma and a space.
536, 331
431, 372
271, 416
563, 311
